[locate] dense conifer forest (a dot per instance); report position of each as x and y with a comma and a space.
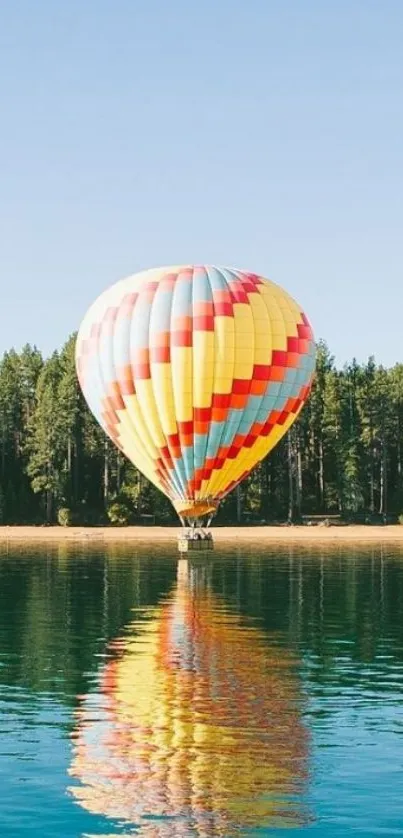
343, 456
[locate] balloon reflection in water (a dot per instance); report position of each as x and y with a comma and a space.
197, 728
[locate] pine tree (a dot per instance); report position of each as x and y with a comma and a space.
71, 407
46, 443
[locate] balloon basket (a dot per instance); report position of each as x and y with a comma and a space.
195, 540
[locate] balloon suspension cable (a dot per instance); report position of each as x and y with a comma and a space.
195, 528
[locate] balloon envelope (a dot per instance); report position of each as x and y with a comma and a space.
195, 373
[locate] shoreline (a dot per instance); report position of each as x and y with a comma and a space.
263, 534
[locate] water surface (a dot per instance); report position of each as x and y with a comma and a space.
249, 692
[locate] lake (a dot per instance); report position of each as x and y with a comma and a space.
251, 691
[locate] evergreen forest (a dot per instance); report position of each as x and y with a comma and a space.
342, 457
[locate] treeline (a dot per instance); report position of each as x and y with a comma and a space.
343, 455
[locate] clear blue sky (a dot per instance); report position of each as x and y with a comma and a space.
265, 134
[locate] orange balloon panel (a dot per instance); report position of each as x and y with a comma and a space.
195, 372
199, 722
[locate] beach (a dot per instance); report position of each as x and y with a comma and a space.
261, 534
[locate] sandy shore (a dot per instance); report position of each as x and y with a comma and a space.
221, 534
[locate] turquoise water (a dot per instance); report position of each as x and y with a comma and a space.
253, 692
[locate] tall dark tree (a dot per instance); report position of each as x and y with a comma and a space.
46, 442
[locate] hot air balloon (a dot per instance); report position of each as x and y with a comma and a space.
196, 726
195, 373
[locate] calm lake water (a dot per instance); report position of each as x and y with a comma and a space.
249, 692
